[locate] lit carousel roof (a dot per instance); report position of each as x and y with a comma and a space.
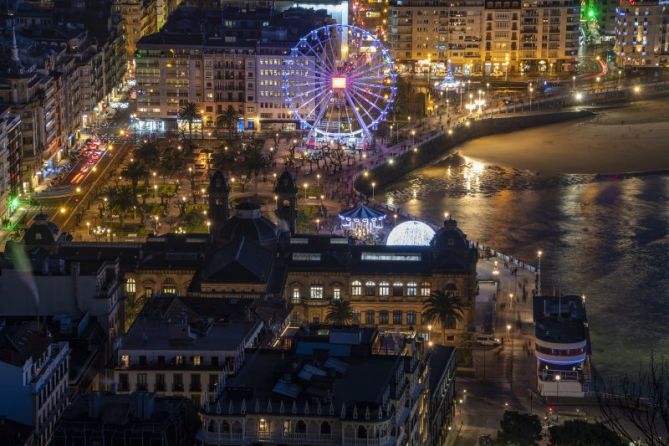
410, 233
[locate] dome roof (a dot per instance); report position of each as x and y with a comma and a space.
410, 233
249, 223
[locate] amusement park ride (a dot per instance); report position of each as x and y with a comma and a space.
339, 84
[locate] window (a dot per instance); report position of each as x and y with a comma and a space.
369, 317
356, 317
123, 382
370, 288
197, 360
148, 292
411, 317
398, 289
397, 317
316, 292
141, 381
425, 289
263, 425
384, 289
213, 382
336, 293
301, 427
130, 287
317, 320
125, 360
356, 288
160, 382
214, 361
195, 383
177, 382
169, 287
383, 317
142, 359
411, 288
325, 428
296, 295
178, 360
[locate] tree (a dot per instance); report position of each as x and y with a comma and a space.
121, 200
172, 161
582, 433
637, 407
148, 155
228, 120
340, 312
189, 113
518, 429
135, 171
445, 308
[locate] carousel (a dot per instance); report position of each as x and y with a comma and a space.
362, 222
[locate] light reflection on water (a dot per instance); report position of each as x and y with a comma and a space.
605, 238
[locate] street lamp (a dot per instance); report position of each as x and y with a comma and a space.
305, 185
510, 300
573, 82
539, 254
557, 383
318, 180
373, 189
413, 137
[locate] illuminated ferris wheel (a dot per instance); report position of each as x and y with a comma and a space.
339, 83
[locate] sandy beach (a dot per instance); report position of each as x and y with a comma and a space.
629, 139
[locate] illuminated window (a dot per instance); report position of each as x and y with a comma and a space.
316, 292
296, 295
356, 288
125, 360
130, 287
336, 293
411, 288
197, 360
263, 425
425, 289
384, 289
178, 360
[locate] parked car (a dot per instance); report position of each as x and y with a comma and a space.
487, 339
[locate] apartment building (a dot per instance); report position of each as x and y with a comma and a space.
334, 387
238, 61
33, 377
491, 37
10, 156
642, 34
139, 18
184, 347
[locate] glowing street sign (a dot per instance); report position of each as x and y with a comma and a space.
339, 83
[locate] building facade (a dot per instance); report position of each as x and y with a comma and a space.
642, 34
337, 387
10, 157
173, 350
33, 378
489, 37
238, 63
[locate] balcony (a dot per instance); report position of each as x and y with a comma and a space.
177, 388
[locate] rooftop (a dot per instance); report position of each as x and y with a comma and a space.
170, 322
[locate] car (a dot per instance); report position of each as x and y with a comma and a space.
487, 340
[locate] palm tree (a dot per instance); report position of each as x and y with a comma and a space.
228, 120
189, 113
445, 308
121, 199
135, 171
340, 313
